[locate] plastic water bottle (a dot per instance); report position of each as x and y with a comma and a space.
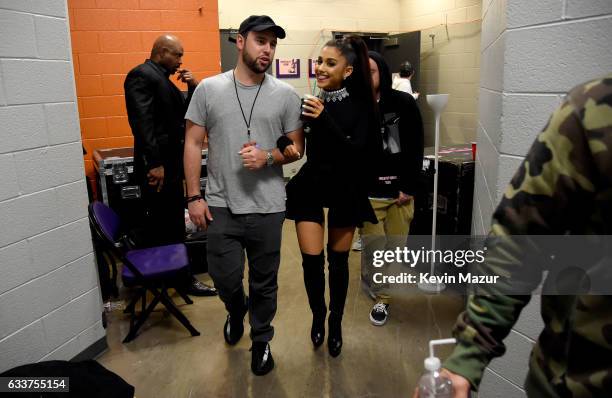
432, 384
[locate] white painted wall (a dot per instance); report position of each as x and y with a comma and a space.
450, 63
50, 305
418, 14
532, 53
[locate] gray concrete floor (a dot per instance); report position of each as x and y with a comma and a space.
165, 361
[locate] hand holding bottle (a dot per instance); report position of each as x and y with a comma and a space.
460, 385
438, 382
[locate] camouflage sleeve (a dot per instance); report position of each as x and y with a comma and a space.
558, 172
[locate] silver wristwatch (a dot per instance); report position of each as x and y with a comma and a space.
269, 158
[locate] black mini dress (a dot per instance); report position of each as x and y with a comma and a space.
335, 175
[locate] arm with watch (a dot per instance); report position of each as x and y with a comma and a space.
255, 158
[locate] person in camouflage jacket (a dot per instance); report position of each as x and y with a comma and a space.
563, 187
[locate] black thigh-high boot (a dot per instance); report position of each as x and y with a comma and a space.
314, 280
338, 286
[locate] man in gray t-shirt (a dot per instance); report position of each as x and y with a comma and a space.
243, 113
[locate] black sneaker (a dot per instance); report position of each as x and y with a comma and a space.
379, 314
234, 325
261, 358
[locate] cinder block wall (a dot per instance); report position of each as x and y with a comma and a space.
110, 37
50, 305
532, 53
449, 63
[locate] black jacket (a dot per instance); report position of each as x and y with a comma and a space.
156, 111
398, 169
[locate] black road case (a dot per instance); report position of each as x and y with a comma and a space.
116, 185
455, 192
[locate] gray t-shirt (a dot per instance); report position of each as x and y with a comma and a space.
276, 112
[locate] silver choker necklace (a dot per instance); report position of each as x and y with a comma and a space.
336, 95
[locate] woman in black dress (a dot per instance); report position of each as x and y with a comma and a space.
341, 133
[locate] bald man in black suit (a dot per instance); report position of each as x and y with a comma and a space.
156, 112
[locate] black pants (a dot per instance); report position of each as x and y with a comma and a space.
229, 235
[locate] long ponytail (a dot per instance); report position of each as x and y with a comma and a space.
359, 86
359, 83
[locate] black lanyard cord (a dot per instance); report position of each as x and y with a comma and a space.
248, 124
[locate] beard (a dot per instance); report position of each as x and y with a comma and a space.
252, 63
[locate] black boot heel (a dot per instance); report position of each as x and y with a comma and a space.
334, 340
317, 331
338, 286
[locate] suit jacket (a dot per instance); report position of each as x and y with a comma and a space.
156, 111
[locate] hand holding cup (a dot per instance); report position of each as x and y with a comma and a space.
312, 106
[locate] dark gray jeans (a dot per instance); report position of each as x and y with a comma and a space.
229, 235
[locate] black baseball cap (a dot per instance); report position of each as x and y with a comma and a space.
258, 23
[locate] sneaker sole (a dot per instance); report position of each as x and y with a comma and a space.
378, 323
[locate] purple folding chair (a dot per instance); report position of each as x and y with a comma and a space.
153, 269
